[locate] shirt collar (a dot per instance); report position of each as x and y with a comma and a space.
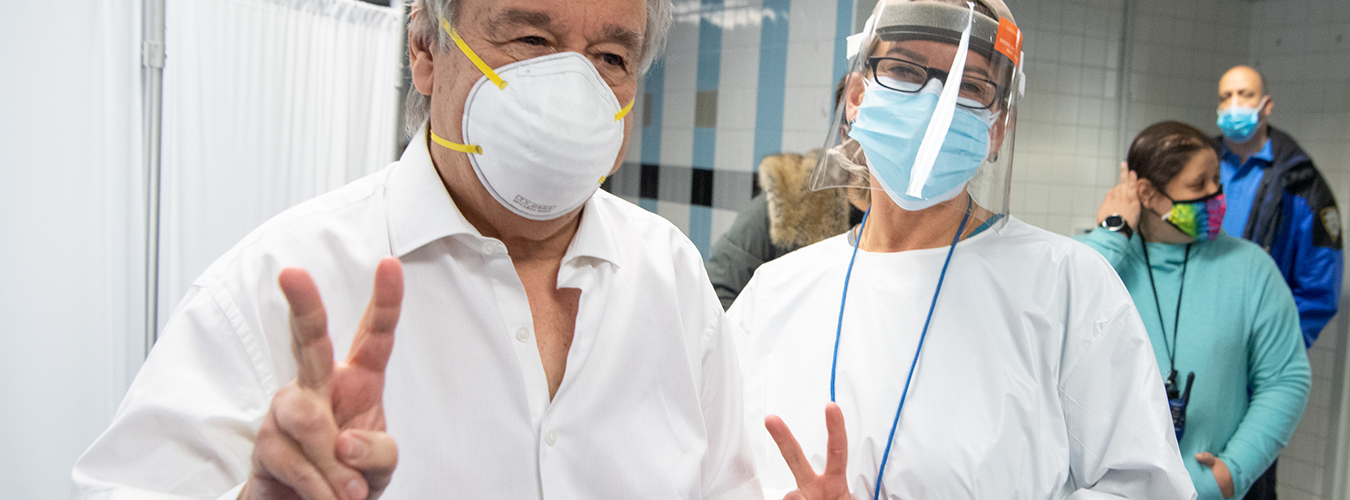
1267, 154
422, 211
595, 236
420, 208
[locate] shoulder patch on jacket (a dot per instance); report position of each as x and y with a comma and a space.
1308, 184
1327, 232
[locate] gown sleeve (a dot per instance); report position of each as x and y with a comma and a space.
1122, 445
1112, 246
742, 316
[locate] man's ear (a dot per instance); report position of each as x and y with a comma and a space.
420, 61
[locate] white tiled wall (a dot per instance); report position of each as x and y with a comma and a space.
807, 86
1069, 137
681, 60
1302, 47
809, 93
736, 91
1067, 122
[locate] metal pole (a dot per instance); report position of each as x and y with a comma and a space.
152, 78
1123, 81
1337, 483
401, 72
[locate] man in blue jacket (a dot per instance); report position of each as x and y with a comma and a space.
1277, 199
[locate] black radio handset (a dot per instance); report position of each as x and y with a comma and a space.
1186, 395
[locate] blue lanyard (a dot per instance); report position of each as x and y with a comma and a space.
834, 365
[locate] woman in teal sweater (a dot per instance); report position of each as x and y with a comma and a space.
1215, 306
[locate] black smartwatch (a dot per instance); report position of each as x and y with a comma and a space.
1116, 224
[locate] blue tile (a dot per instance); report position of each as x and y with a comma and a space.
705, 147
654, 85
709, 76
843, 27
648, 203
773, 52
709, 46
700, 229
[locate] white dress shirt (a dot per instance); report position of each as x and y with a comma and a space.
650, 405
1036, 381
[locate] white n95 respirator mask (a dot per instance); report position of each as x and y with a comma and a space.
542, 133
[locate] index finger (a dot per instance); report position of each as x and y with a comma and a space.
836, 445
310, 345
375, 338
791, 450
1124, 173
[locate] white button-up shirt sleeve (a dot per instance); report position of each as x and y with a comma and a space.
650, 405
184, 428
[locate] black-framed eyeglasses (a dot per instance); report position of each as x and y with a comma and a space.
908, 77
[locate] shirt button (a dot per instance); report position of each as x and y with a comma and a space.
523, 334
551, 437
489, 248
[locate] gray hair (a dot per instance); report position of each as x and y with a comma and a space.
425, 28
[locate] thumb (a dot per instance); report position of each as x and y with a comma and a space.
371, 451
1205, 458
374, 453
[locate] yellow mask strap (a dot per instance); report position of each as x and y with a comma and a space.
624, 112
477, 61
454, 146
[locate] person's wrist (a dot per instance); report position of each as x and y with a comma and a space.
1117, 224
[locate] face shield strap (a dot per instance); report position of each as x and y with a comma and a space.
942, 116
1021, 75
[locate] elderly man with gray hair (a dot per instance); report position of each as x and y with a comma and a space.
553, 340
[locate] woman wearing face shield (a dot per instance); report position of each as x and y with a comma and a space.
957, 352
1223, 322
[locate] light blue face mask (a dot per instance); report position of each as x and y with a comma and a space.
890, 127
1238, 123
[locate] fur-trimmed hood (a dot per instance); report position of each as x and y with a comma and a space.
799, 216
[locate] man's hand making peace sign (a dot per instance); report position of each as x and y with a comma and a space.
323, 437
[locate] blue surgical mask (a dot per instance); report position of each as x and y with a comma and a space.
1238, 123
891, 126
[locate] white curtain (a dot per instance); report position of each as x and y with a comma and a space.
71, 232
267, 103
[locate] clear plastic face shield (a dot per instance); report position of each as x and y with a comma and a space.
906, 132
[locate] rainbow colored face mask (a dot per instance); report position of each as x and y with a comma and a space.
1200, 218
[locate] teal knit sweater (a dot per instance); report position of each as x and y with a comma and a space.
1238, 332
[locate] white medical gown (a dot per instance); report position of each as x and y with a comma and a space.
1036, 381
